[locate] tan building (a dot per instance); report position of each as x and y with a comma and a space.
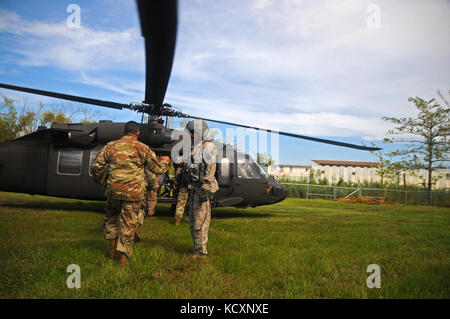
350, 171
356, 172
289, 171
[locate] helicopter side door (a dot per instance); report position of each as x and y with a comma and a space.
224, 175
37, 155
250, 182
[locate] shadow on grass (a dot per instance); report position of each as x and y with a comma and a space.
162, 211
168, 244
233, 214
94, 207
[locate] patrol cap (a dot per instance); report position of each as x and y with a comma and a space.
131, 127
191, 125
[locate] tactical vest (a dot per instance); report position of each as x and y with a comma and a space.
194, 172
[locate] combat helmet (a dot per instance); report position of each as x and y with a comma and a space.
191, 125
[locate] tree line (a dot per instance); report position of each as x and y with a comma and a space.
17, 121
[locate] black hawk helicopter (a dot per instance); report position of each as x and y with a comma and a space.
56, 161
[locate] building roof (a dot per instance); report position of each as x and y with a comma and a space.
345, 163
289, 165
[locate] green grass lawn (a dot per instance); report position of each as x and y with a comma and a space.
295, 249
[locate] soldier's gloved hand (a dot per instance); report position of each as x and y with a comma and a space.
203, 195
166, 159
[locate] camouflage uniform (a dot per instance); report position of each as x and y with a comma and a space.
151, 195
182, 199
199, 206
182, 196
122, 165
152, 200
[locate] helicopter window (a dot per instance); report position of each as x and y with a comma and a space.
69, 162
225, 167
224, 172
247, 170
92, 158
260, 169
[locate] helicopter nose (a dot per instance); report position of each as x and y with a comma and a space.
277, 192
283, 192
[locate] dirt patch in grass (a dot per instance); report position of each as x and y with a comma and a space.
365, 200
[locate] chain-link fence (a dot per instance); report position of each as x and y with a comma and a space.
438, 198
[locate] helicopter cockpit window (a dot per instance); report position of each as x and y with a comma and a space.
260, 169
69, 162
246, 169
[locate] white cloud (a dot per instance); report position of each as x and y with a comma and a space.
330, 124
125, 87
83, 49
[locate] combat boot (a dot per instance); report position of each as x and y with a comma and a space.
113, 245
123, 261
199, 255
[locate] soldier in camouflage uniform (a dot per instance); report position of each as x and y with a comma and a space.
122, 165
182, 196
201, 185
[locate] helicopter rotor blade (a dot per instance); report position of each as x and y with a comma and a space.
121, 106
309, 138
159, 28
69, 97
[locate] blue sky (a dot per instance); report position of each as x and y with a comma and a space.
309, 67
